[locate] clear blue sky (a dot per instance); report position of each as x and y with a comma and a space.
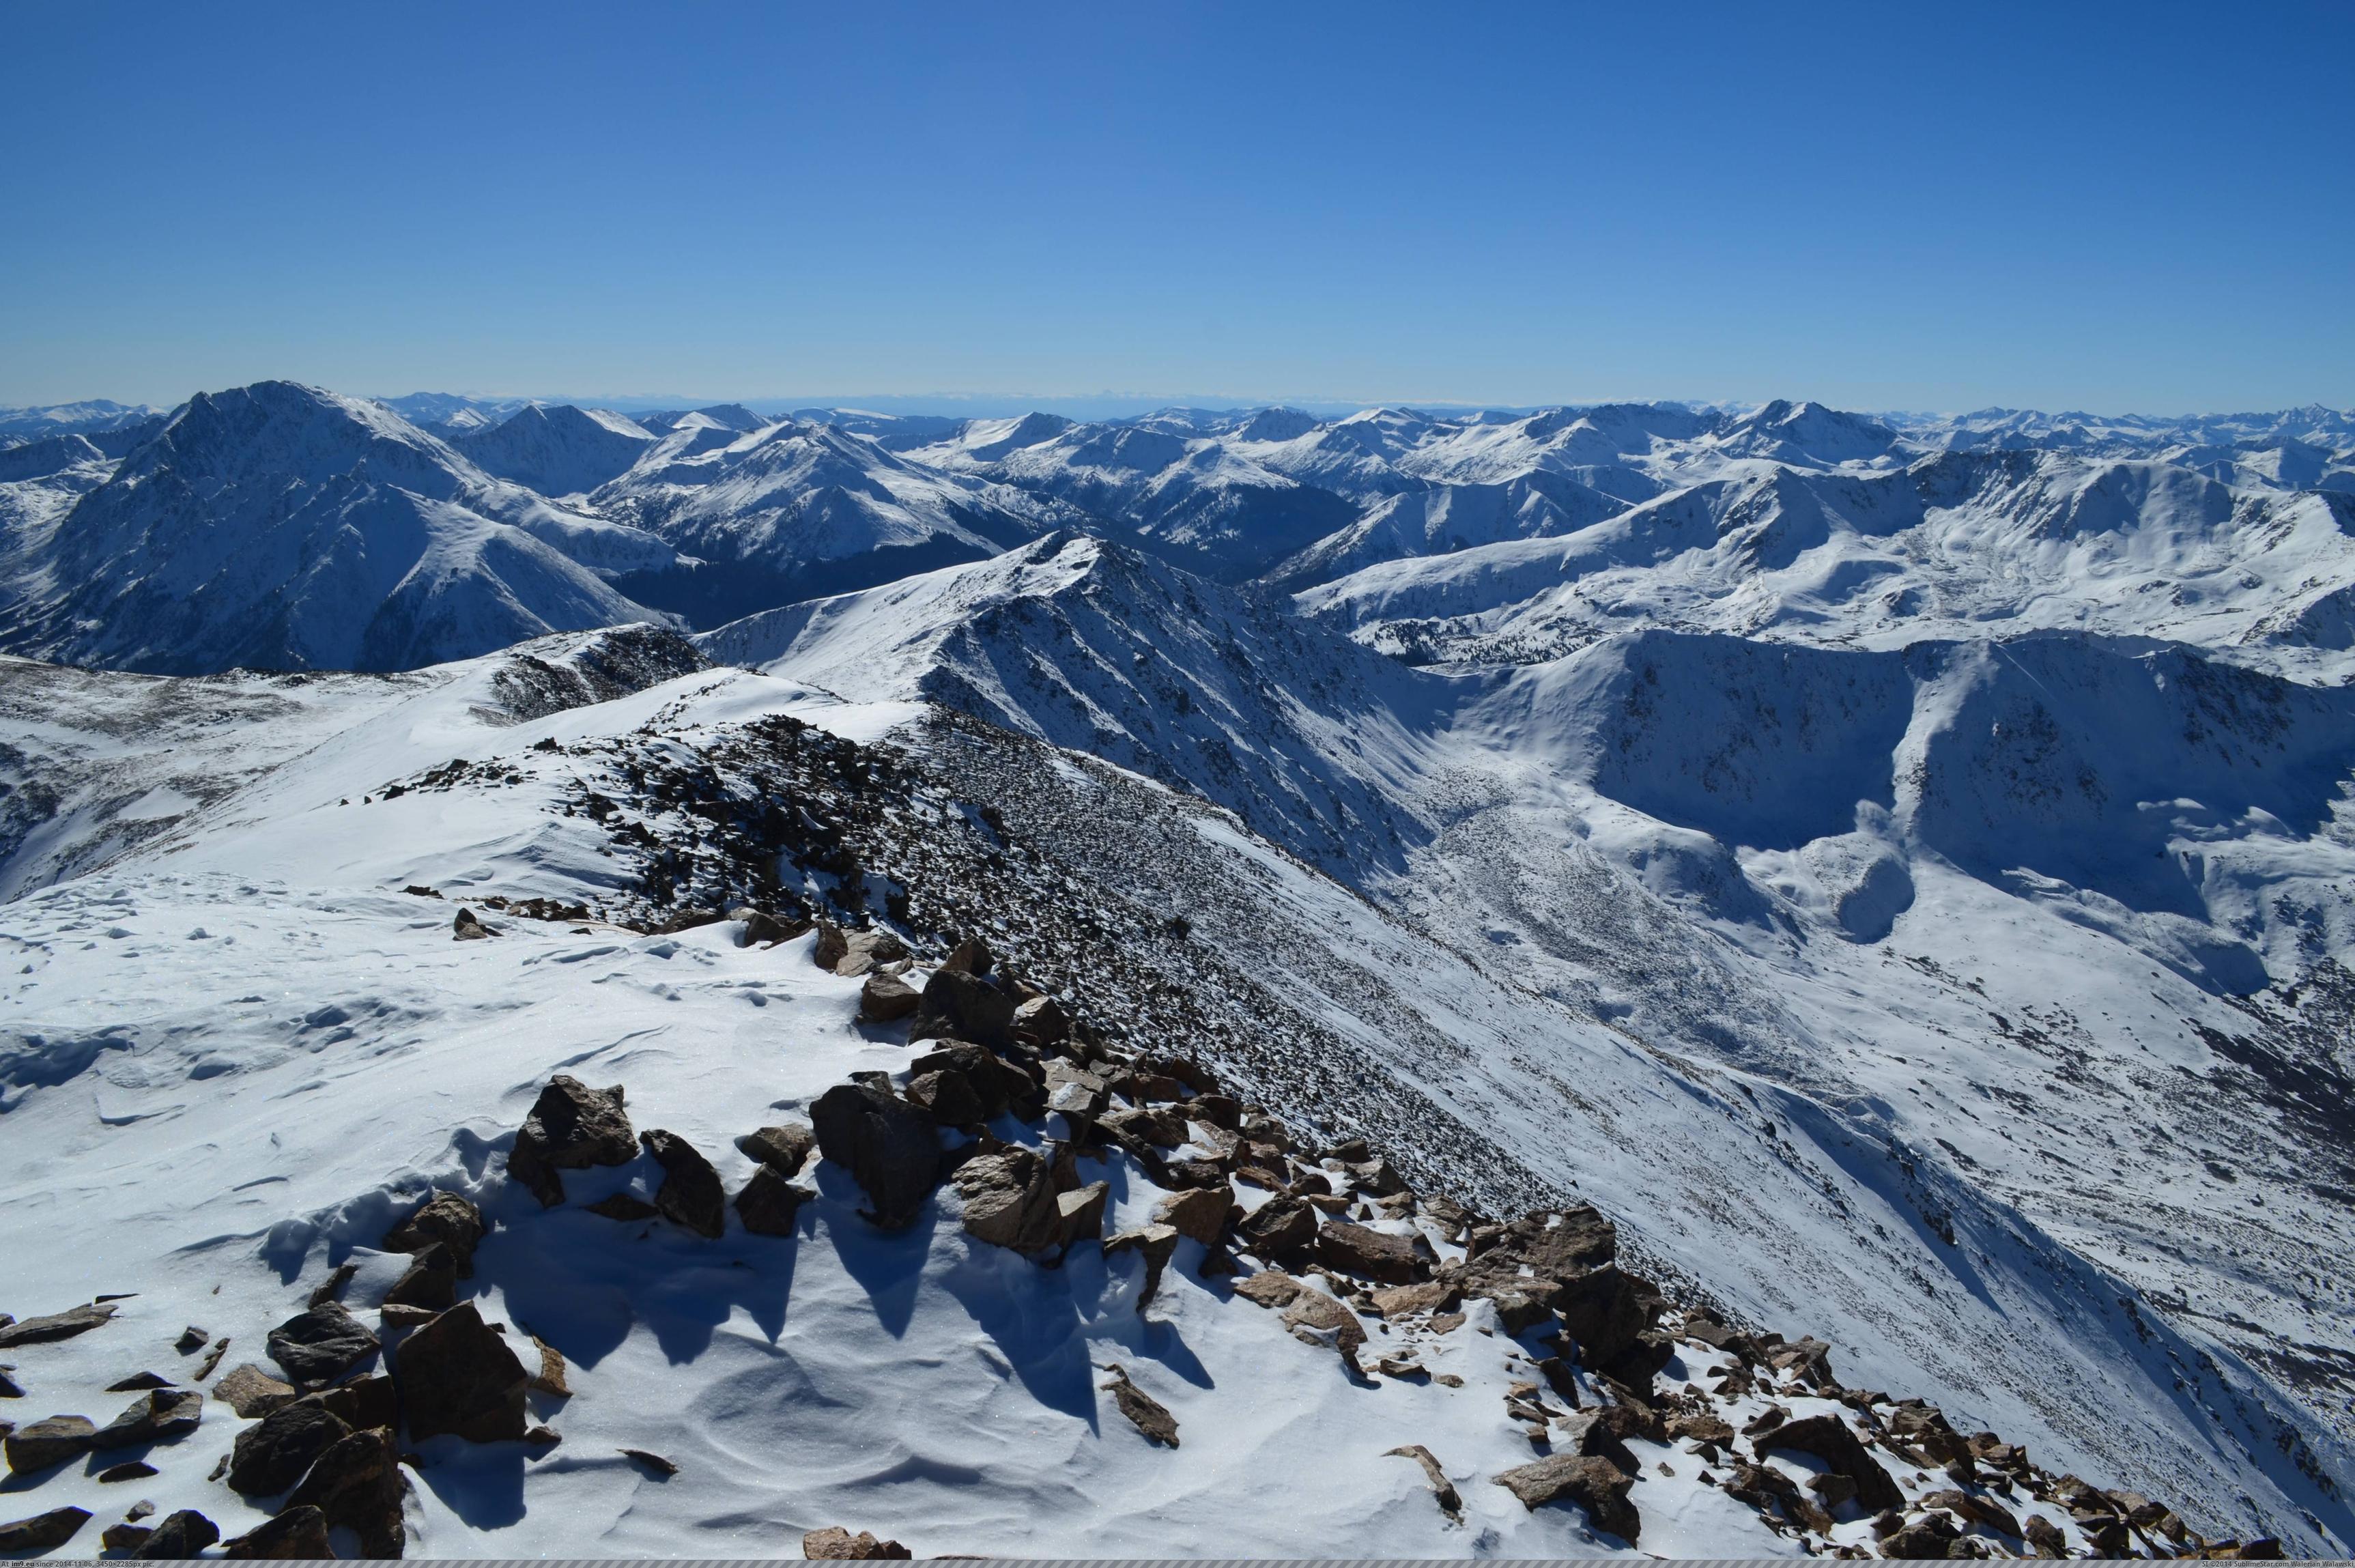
2116, 207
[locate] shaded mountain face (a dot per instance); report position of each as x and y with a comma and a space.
557, 449
283, 527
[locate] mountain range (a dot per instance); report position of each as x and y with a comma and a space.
1898, 869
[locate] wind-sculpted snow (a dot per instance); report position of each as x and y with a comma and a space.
283, 527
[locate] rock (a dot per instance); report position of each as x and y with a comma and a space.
888, 1146
445, 1218
431, 1282
458, 1375
183, 1534
550, 1379
769, 1205
762, 929
1701, 1429
1370, 1253
542, 1437
572, 1127
320, 1344
1833, 1488
11, 1388
363, 1402
948, 1097
125, 1538
1199, 1212
1155, 1245
356, 1484
627, 1206
192, 1339
161, 1416
212, 1359
1925, 1427
690, 1195
273, 1453
1451, 1501
332, 1287
1927, 1537
1279, 1230
994, 1083
837, 1544
1144, 1412
863, 950
661, 1466
1829, 1438
466, 926
960, 1006
782, 1149
1406, 1300
300, 1534
1269, 1287
831, 946
1042, 1021
56, 1325
1318, 1318
398, 1316
135, 1383
1080, 1213
1160, 1128
48, 1442
1377, 1175
42, 1532
1010, 1199
971, 957
1607, 1311
129, 1470
251, 1391
886, 998
1075, 1093
1594, 1484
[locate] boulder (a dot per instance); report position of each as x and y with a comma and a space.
1221, 1110
300, 1534
971, 957
627, 1206
1405, 1300
1370, 1253
135, 1383
1198, 1212
1829, 1438
782, 1149
948, 1097
1594, 1484
1279, 1230
1605, 1310
961, 1006
466, 926
2044, 1536
318, 1346
159, 1416
1146, 1413
273, 1453
572, 1127
550, 1379
886, 998
1316, 1318
1080, 1213
992, 1083
1269, 1287
888, 1146
1451, 1501
831, 947
1010, 1199
836, 1544
1155, 1245
192, 1339
863, 950
1076, 1093
182, 1535
125, 1538
140, 1470
363, 1402
356, 1485
48, 1442
42, 1532
690, 1194
430, 1282
1931, 1536
251, 1391
445, 1218
458, 1375
1156, 1127
56, 1325
1042, 1021
769, 1204
762, 929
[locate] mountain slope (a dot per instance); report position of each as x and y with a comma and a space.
557, 449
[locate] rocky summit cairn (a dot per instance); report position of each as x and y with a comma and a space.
887, 1146
572, 1127
458, 1375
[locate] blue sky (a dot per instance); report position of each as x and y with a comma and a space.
2141, 207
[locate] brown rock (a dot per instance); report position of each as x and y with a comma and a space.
1830, 1439
690, 1195
251, 1391
960, 1006
1318, 1318
1370, 1253
836, 1544
1199, 1212
1010, 1199
627, 1206
1269, 1287
445, 1218
782, 1149
572, 1127
948, 1097
57, 1326
888, 1146
457, 1375
42, 1532
769, 1205
399, 1316
762, 929
1155, 1245
1144, 1412
1406, 1300
363, 1402
550, 1379
1279, 1230
1930, 1536
161, 1416
1219, 1111
273, 1453
320, 1344
356, 1484
863, 950
1042, 1021
129, 1470
1451, 1501
181, 1535
430, 1281
125, 1538
1081, 1212
886, 998
135, 1382
990, 1082
662, 1467
48, 1442
1594, 1484
300, 1534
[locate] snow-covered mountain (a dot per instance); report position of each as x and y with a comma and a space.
95, 417
285, 526
557, 449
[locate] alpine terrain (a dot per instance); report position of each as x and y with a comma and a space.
1656, 979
